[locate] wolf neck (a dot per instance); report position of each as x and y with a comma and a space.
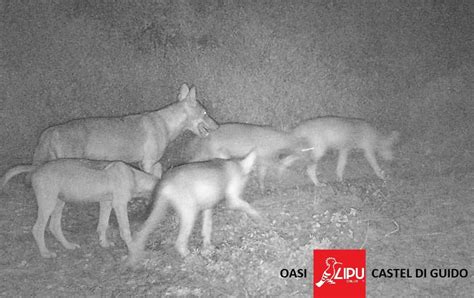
174, 118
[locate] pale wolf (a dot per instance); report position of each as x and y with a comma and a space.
237, 139
112, 184
190, 189
344, 134
140, 138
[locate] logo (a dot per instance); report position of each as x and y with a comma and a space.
339, 273
329, 273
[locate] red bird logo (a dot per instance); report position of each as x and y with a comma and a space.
329, 273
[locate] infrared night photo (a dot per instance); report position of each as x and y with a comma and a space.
237, 148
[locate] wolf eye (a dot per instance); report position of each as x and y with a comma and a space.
204, 112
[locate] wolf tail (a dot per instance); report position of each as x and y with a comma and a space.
15, 171
386, 143
137, 246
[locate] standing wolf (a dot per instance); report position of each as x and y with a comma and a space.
190, 189
140, 138
237, 139
344, 134
111, 183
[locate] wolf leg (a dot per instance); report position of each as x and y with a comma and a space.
55, 226
341, 163
207, 228
104, 215
45, 208
370, 156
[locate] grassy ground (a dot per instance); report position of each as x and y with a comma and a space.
421, 218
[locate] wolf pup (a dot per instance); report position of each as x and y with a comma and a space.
140, 138
344, 134
190, 189
112, 184
237, 139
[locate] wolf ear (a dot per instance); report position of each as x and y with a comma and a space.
183, 92
157, 170
191, 97
248, 162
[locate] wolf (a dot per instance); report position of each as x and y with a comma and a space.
139, 138
190, 189
344, 134
237, 139
113, 184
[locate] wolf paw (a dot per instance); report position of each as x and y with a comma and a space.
48, 254
106, 244
70, 245
384, 176
207, 249
183, 251
132, 262
135, 257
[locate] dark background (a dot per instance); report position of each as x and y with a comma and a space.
403, 65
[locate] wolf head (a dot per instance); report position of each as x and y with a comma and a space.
197, 119
386, 143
